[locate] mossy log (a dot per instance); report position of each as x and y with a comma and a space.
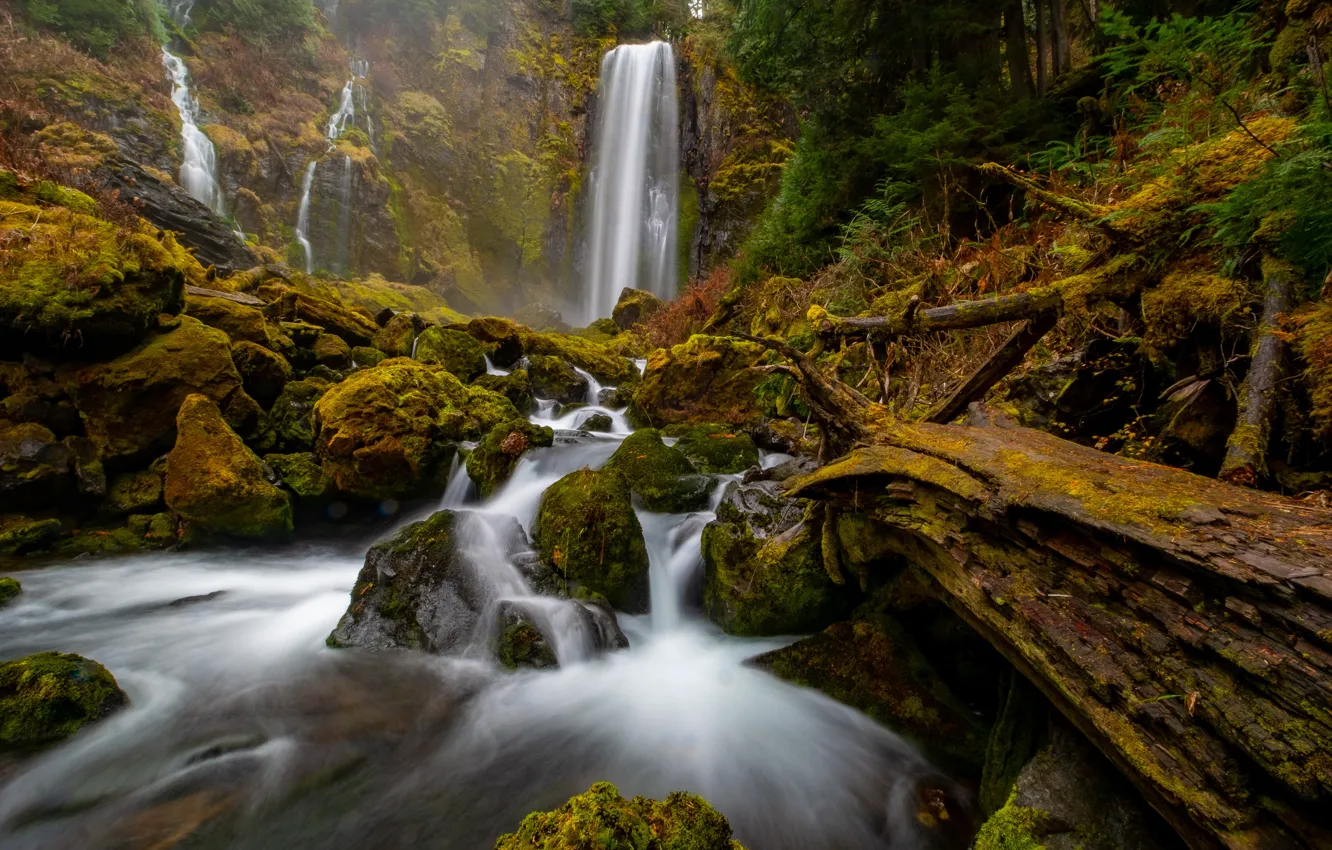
1246, 449
1181, 624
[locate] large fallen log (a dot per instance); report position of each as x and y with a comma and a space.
1183, 625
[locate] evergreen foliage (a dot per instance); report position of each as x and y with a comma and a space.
265, 23
97, 26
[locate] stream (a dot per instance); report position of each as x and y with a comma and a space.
242, 718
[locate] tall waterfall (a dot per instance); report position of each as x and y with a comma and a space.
634, 179
342, 120
198, 167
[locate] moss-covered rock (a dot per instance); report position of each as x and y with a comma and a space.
455, 350
398, 336
706, 379
217, 484
330, 350
382, 432
716, 448
129, 404
354, 327
596, 359
302, 474
513, 386
874, 666
289, 426
20, 534
9, 590
416, 591
241, 322
503, 336
764, 571
603, 820
133, 493
634, 307
587, 531
661, 476
597, 422
493, 460
35, 467
553, 378
519, 642
140, 533
82, 286
263, 373
49, 696
363, 356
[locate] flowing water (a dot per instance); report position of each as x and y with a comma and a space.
198, 167
634, 179
342, 120
241, 717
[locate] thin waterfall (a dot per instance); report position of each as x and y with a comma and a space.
198, 167
344, 219
341, 120
634, 179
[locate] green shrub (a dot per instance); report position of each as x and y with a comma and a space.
260, 22
97, 26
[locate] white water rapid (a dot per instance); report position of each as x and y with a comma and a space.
198, 167
634, 179
242, 719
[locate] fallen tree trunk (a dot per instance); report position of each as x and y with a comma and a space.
993, 370
1183, 625
1246, 448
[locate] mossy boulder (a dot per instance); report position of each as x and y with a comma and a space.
553, 378
241, 322
503, 336
597, 359
289, 426
363, 356
133, 493
706, 379
597, 422
129, 404
416, 591
764, 571
514, 386
140, 533
263, 373
354, 327
493, 460
51, 695
634, 307
587, 531
716, 448
215, 483
81, 286
332, 351
874, 666
397, 337
9, 590
20, 534
302, 474
35, 467
603, 820
382, 432
519, 641
454, 350
661, 476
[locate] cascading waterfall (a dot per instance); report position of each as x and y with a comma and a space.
198, 168
634, 179
343, 119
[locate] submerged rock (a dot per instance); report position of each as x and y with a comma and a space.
215, 483
50, 696
707, 379
383, 432
764, 570
587, 531
491, 463
716, 448
603, 820
874, 666
635, 306
417, 590
9, 590
661, 476
454, 350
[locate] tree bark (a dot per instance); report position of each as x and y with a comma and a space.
1015, 48
1246, 449
1059, 54
1042, 47
1003, 361
1184, 626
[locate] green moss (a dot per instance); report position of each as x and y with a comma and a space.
1014, 828
603, 820
9, 590
364, 356
50, 696
454, 350
382, 432
396, 338
494, 458
20, 534
553, 378
332, 351
1313, 339
215, 483
521, 644
716, 448
302, 473
1014, 740
141, 532
514, 386
133, 493
289, 426
263, 373
586, 530
660, 475
594, 358
706, 379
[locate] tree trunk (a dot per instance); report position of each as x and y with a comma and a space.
1015, 47
995, 368
1042, 47
1059, 58
1184, 626
1246, 450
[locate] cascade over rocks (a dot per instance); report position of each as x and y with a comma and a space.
519, 641
586, 530
491, 463
215, 483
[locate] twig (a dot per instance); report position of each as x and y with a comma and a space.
1245, 127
